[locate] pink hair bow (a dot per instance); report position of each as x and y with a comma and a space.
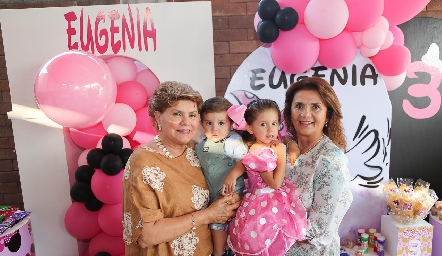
236, 113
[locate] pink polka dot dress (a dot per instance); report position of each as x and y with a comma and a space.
269, 221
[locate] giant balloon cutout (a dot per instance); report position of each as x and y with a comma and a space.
75, 89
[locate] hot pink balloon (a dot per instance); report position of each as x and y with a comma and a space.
82, 158
109, 219
398, 35
121, 120
75, 89
338, 51
86, 251
144, 131
132, 94
363, 14
298, 5
87, 137
400, 11
126, 143
107, 188
122, 68
103, 242
80, 222
392, 61
149, 80
296, 50
393, 82
326, 18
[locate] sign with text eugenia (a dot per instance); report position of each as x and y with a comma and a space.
173, 40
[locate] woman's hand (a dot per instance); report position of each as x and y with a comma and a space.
224, 209
294, 152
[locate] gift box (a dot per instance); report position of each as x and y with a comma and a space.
18, 240
407, 239
437, 235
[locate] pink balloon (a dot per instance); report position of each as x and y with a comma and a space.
382, 24
86, 251
144, 131
80, 222
132, 94
107, 188
87, 137
388, 40
75, 89
363, 14
400, 11
398, 35
103, 242
357, 36
122, 68
133, 144
338, 51
121, 120
392, 61
393, 82
126, 143
140, 65
326, 18
149, 80
296, 50
368, 52
82, 158
256, 20
373, 37
298, 5
110, 218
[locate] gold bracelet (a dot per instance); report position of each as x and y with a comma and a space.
193, 222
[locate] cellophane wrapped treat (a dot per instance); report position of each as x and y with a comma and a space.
408, 203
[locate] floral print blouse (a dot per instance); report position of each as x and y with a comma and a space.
323, 185
156, 187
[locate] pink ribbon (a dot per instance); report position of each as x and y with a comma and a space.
236, 113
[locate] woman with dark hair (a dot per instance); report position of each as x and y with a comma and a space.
313, 116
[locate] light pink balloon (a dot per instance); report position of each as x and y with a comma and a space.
393, 82
121, 120
388, 40
298, 5
103, 242
75, 89
140, 65
296, 50
392, 61
338, 51
256, 20
357, 36
87, 137
82, 158
382, 24
363, 14
149, 80
126, 143
398, 35
373, 37
400, 11
144, 131
132, 94
110, 218
107, 188
368, 52
326, 18
80, 222
122, 68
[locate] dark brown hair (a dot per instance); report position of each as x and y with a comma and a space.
215, 105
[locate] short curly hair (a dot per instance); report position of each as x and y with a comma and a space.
168, 93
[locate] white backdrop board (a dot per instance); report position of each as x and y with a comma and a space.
175, 40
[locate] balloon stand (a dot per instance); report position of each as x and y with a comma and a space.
18, 241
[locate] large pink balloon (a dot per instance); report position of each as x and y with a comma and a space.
132, 94
393, 82
121, 120
400, 11
296, 50
110, 218
87, 137
398, 35
107, 188
75, 89
80, 222
363, 14
298, 5
149, 80
103, 242
144, 131
326, 18
392, 61
338, 51
122, 68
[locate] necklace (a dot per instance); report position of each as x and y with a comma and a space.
160, 145
314, 145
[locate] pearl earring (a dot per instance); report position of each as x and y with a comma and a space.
326, 124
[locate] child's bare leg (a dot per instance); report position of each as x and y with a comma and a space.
219, 238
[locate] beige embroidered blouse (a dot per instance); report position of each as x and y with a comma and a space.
156, 187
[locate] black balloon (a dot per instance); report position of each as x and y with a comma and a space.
267, 31
81, 191
111, 164
286, 18
267, 9
103, 254
125, 154
94, 157
93, 204
84, 173
112, 143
